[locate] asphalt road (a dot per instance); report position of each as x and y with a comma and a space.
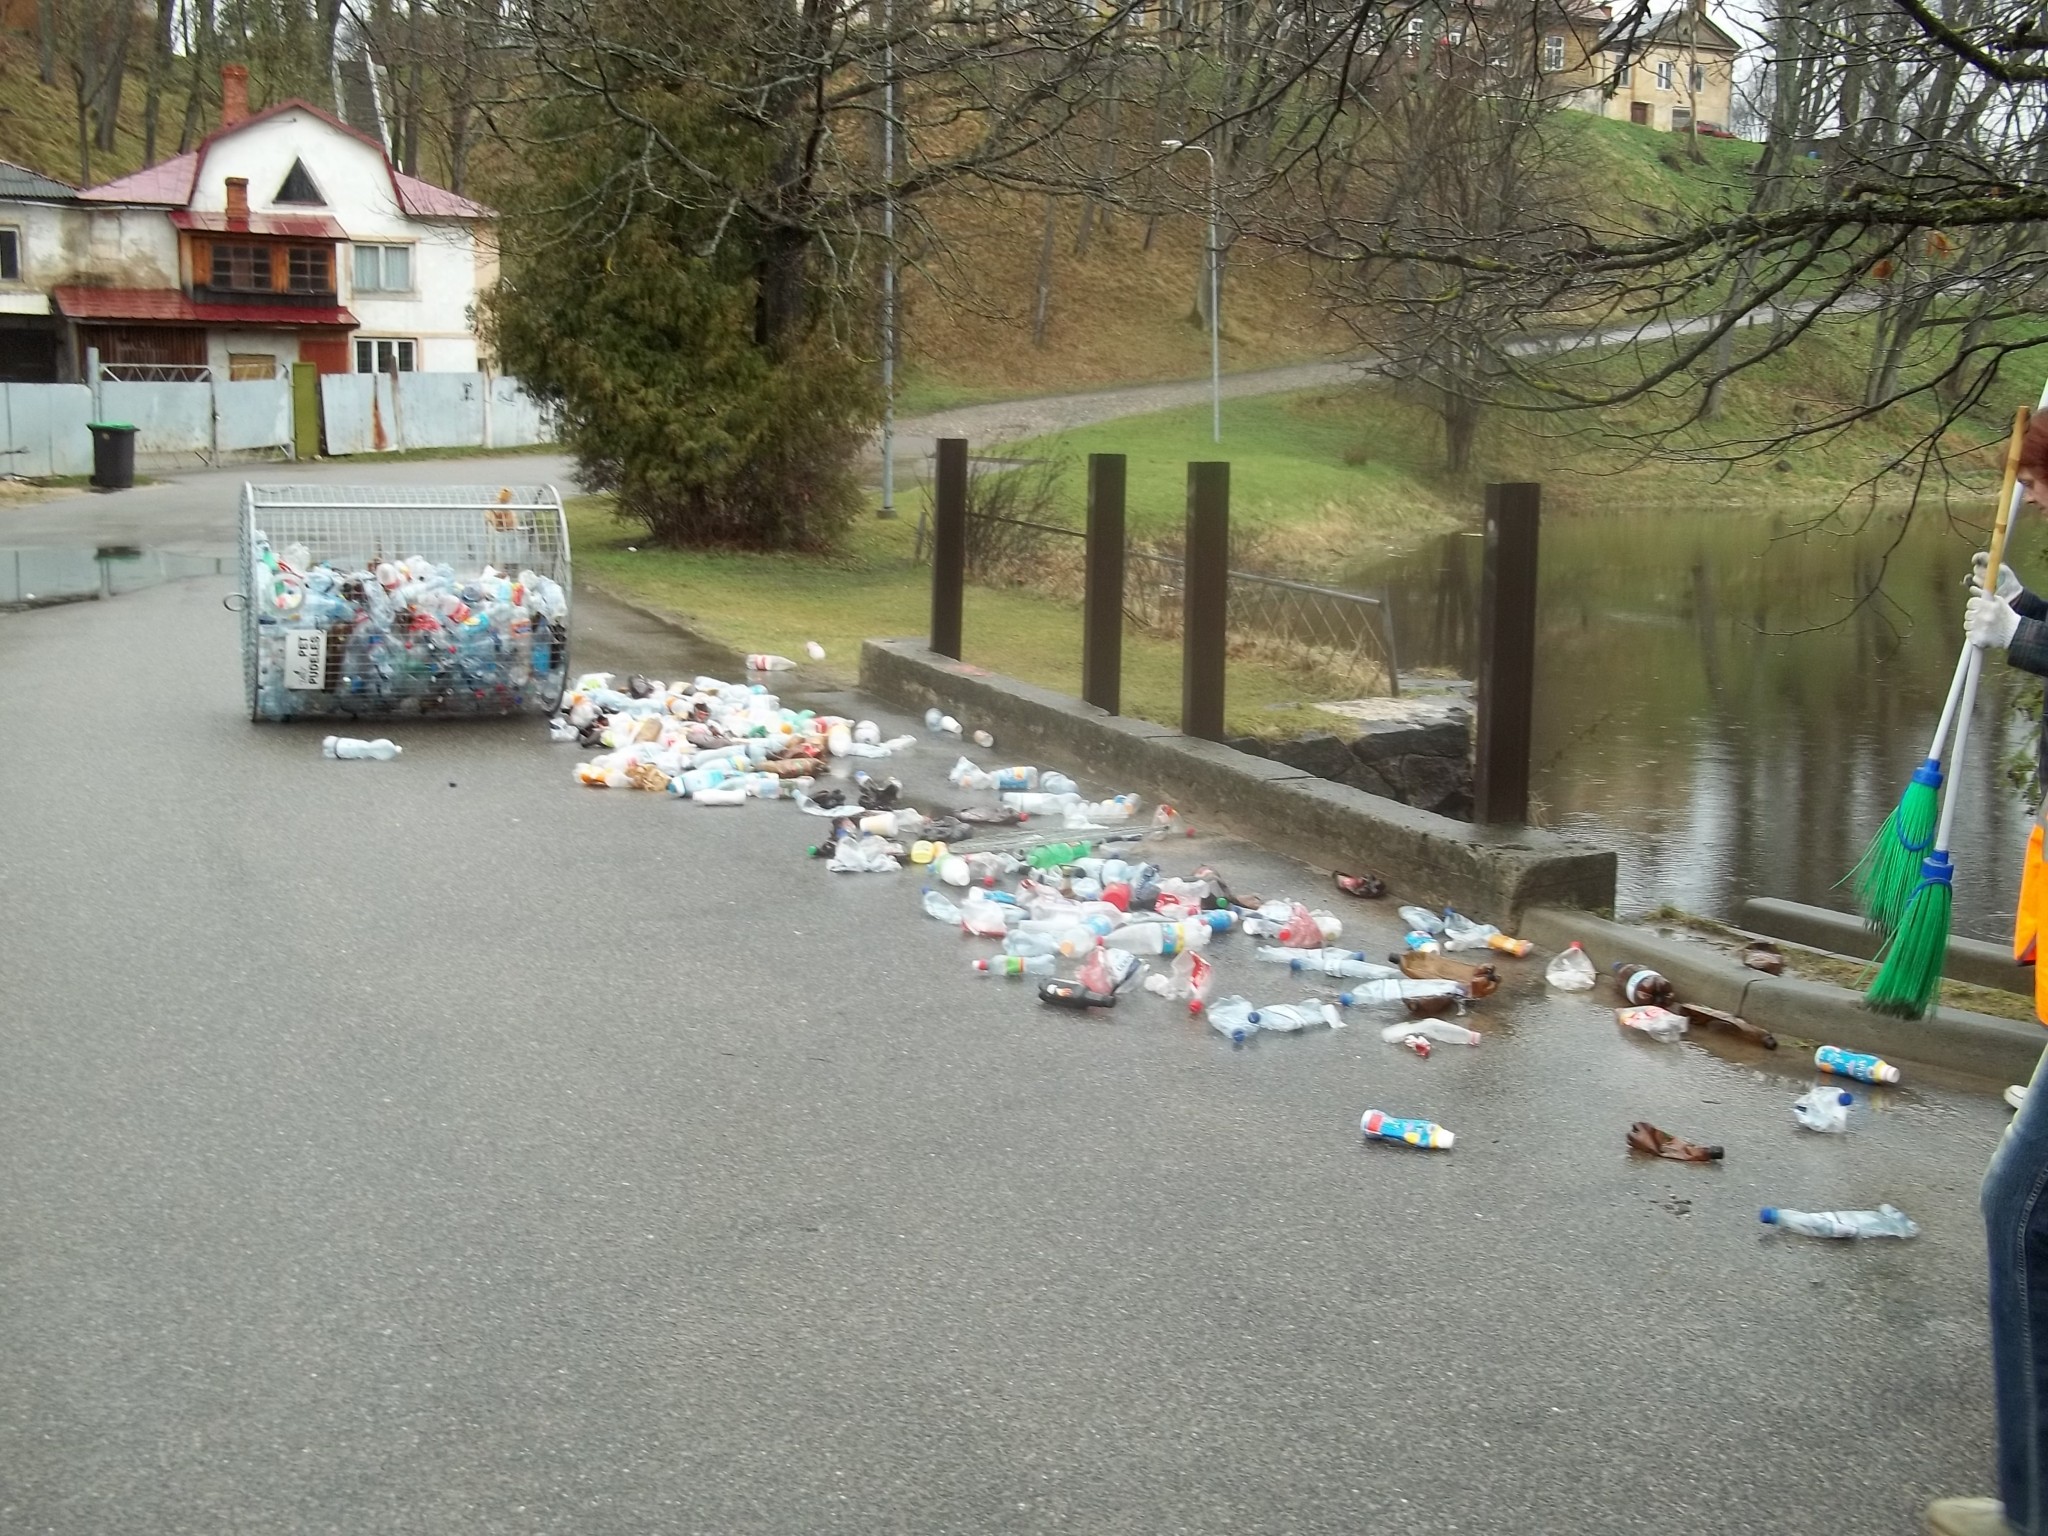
439, 1147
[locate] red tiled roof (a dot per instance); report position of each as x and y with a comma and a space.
172, 181
167, 306
424, 200
301, 226
168, 181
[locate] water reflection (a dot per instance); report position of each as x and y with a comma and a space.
34, 576
1683, 720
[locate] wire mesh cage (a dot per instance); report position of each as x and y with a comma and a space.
376, 601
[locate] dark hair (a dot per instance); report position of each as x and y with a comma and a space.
2034, 448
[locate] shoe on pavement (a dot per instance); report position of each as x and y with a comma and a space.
1967, 1517
2016, 1095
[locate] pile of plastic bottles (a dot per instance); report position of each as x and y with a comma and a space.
401, 637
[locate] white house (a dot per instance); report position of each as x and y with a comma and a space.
286, 236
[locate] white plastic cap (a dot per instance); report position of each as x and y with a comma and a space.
1446, 1138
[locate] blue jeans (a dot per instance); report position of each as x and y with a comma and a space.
2015, 1202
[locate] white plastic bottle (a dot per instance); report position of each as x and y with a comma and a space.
1329, 962
1823, 1109
1234, 1017
1885, 1221
1571, 970
1292, 1018
352, 747
758, 661
1421, 920
1369, 994
1431, 1029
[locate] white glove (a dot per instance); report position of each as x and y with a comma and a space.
2008, 584
1990, 621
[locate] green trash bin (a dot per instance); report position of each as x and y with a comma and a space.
113, 455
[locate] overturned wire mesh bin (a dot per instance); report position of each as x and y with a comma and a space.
376, 601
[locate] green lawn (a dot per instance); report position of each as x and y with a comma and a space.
872, 590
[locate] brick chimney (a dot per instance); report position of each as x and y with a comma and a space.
238, 202
234, 94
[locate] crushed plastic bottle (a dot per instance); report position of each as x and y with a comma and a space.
1328, 962
1374, 994
1159, 938
1071, 994
1864, 1068
758, 661
1441, 1030
1421, 920
1233, 1017
1377, 1125
1571, 970
1645, 1137
1109, 970
1658, 1023
1055, 855
1293, 1018
1016, 965
1366, 887
1823, 1109
864, 856
1462, 933
351, 747
1189, 981
938, 720
1885, 1221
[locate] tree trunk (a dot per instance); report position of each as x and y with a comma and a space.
113, 77
46, 41
202, 35
1041, 301
780, 301
159, 61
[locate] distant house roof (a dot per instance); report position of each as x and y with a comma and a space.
171, 182
300, 226
167, 306
1688, 25
20, 184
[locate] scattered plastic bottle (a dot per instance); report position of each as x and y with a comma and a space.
1571, 970
1189, 981
1293, 1018
1071, 994
1867, 1069
1885, 1221
1109, 970
863, 856
814, 650
1016, 965
1421, 943
1055, 855
983, 739
1381, 1126
1658, 1023
1823, 1109
1441, 1030
761, 662
1328, 962
1421, 920
1645, 1137
351, 747
1159, 938
1233, 1017
936, 905
1366, 887
1462, 933
1372, 994
1640, 984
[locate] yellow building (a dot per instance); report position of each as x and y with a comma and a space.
1676, 71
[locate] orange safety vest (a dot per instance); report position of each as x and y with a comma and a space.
2028, 920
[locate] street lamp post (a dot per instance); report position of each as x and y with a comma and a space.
1174, 146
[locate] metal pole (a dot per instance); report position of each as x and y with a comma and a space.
1205, 601
1215, 316
888, 259
1102, 602
1507, 654
949, 544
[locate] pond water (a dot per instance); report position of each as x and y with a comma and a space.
1713, 703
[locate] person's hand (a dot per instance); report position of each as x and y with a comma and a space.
1990, 621
2008, 584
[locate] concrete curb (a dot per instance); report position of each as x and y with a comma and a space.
1800, 1011
1971, 960
1498, 872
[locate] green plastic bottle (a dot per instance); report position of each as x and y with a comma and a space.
1056, 855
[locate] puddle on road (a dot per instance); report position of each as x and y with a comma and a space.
29, 578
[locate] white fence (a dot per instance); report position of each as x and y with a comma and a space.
43, 427
377, 413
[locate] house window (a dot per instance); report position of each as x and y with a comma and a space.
383, 269
10, 255
1663, 74
307, 269
379, 355
1681, 119
252, 365
1417, 27
1699, 78
298, 187
1553, 52
241, 268
1622, 71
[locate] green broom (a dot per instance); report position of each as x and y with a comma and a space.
1910, 976
1885, 877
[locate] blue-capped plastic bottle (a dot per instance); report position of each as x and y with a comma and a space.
1885, 1221
1233, 1017
1380, 1125
1856, 1064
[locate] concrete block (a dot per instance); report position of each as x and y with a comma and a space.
1379, 740
1325, 756
1840, 933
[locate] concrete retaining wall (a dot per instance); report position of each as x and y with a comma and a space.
1497, 873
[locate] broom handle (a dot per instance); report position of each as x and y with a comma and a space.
1974, 670
2008, 508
